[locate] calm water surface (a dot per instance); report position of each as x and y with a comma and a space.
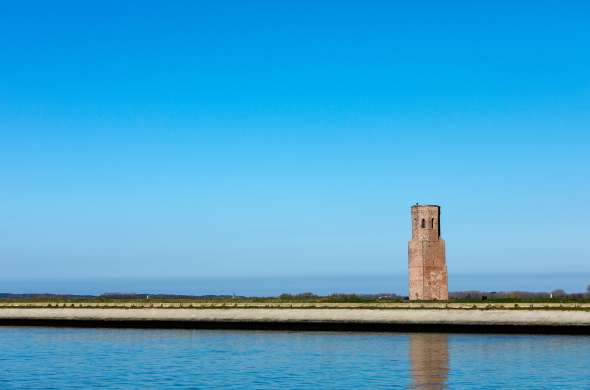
69, 358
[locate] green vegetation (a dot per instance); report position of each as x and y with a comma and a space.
141, 298
307, 298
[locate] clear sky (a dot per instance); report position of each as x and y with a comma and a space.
205, 139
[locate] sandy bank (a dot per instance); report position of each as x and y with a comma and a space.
328, 319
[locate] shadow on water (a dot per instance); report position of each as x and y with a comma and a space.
429, 359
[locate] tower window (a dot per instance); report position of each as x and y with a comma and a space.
423, 223
432, 223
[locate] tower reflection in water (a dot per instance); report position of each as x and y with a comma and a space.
429, 359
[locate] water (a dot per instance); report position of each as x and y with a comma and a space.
70, 358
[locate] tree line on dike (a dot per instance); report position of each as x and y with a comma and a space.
557, 295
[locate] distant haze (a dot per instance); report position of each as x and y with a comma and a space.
273, 286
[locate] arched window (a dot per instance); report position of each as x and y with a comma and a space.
423, 223
432, 223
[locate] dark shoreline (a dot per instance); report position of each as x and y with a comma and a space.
304, 326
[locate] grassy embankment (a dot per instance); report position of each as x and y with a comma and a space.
285, 302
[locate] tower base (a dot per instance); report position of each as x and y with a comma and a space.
428, 278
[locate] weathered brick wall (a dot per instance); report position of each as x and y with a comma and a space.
427, 268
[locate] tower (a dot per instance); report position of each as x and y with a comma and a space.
427, 267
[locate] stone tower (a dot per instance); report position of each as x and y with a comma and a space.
427, 267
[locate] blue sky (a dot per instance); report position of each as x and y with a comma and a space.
201, 139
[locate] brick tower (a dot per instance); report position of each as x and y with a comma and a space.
427, 268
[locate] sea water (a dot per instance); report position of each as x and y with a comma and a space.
75, 358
